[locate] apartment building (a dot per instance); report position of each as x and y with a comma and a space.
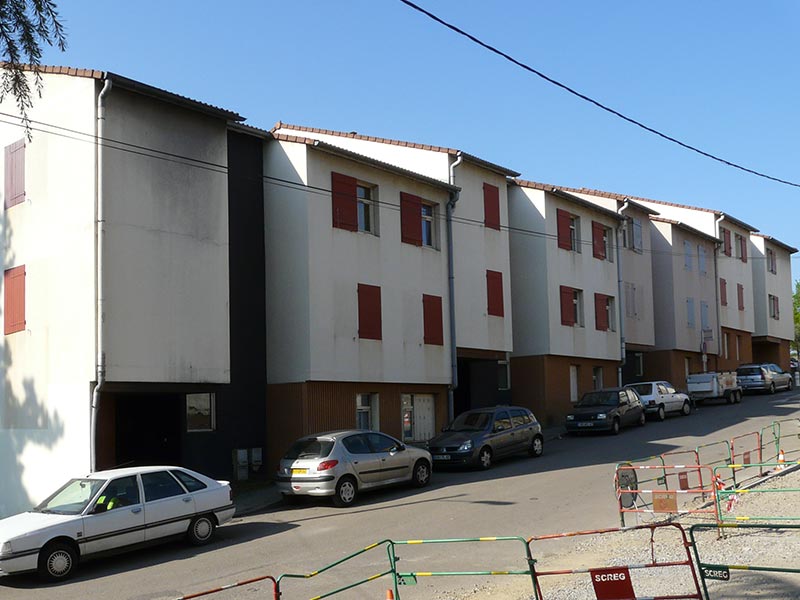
477, 218
564, 269
685, 301
120, 276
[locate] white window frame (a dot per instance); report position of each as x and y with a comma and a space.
369, 404
633, 237
597, 378
575, 232
430, 221
368, 202
577, 302
503, 365
203, 402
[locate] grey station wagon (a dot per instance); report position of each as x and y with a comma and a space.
482, 435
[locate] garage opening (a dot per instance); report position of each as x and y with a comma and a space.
148, 429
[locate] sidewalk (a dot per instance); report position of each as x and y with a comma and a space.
254, 496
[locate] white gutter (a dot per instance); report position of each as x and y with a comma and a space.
621, 295
100, 299
451, 302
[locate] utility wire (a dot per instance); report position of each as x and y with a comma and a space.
599, 105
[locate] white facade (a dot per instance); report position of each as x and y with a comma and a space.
772, 276
476, 248
540, 268
314, 269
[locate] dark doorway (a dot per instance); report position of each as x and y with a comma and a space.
149, 429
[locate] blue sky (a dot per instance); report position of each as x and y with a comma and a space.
719, 76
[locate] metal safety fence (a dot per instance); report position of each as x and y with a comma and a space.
728, 506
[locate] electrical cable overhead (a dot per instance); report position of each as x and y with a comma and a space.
596, 103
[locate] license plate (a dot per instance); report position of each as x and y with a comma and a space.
441, 457
584, 424
299, 471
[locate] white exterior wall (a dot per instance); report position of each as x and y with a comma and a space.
317, 333
529, 270
44, 408
476, 248
665, 307
776, 284
166, 256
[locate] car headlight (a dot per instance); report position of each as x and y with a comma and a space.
5, 549
465, 447
570, 417
601, 416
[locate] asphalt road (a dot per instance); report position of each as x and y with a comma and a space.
570, 488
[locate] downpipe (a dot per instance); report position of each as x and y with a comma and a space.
451, 301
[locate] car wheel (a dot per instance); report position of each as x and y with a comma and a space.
537, 447
57, 561
615, 427
686, 408
201, 530
485, 458
737, 397
790, 385
642, 419
772, 388
346, 492
661, 414
422, 473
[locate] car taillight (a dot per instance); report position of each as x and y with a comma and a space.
327, 464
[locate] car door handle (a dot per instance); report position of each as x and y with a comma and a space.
187, 499
136, 510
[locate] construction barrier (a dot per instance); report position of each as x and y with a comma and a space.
770, 442
717, 572
714, 454
222, 588
620, 581
745, 449
788, 433
728, 508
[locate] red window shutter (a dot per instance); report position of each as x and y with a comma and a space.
723, 292
726, 242
345, 207
740, 294
601, 312
563, 219
432, 320
598, 246
369, 312
494, 293
410, 219
14, 311
567, 305
491, 206
15, 173
743, 248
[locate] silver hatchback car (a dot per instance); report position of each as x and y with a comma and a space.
343, 463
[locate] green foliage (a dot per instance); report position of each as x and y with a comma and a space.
25, 25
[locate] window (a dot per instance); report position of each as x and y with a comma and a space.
494, 293
690, 313
367, 413
491, 206
503, 377
417, 221
604, 312
120, 492
14, 300
687, 255
571, 306
192, 484
633, 235
774, 308
740, 295
432, 320
601, 241
200, 412
741, 248
772, 263
638, 364
631, 307
726, 241
366, 209
344, 192
704, 324
160, 485
15, 174
357, 444
597, 378
520, 417
701, 259
502, 419
723, 292
568, 230
369, 312
380, 443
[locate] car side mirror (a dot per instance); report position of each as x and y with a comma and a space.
498, 428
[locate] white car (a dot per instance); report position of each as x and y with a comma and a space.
109, 510
660, 397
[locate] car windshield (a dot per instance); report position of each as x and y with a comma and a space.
599, 399
72, 497
644, 389
471, 421
310, 448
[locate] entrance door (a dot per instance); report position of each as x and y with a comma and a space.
148, 429
423, 417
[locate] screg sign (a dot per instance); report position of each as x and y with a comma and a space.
612, 584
